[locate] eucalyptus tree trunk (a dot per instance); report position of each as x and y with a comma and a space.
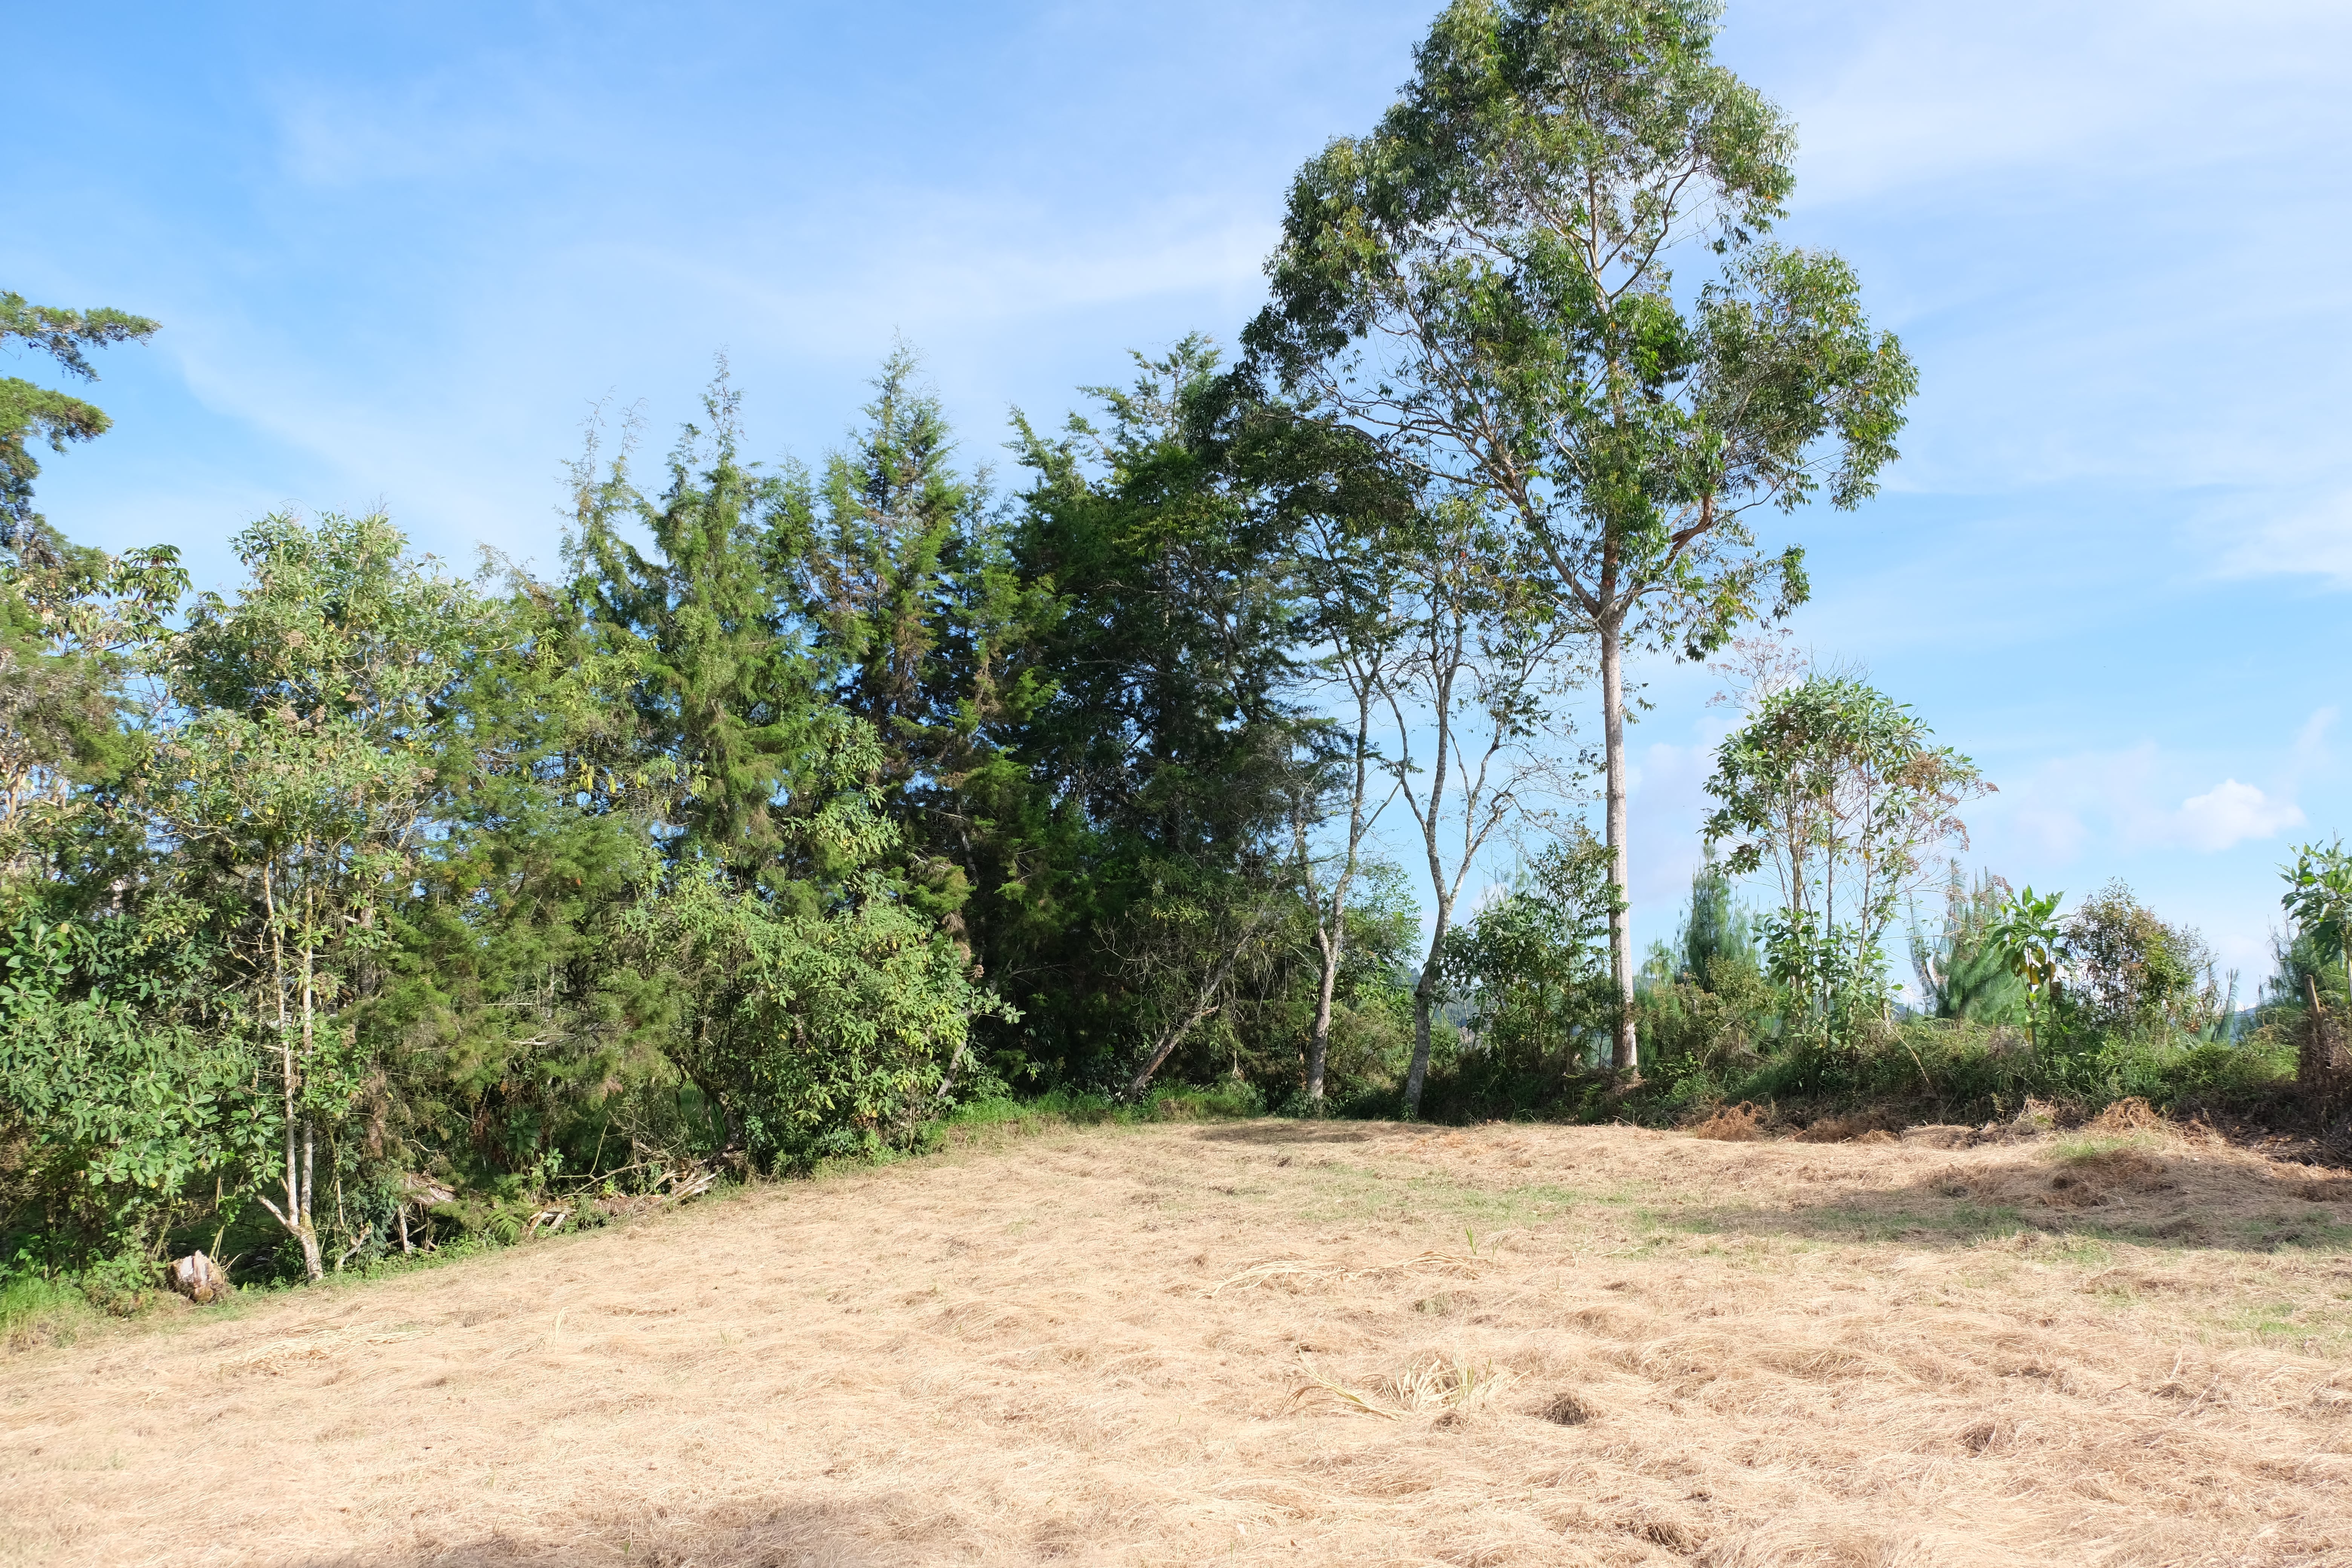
1624, 1054
1319, 1043
305, 1231
1331, 925
301, 1137
1424, 999
1424, 991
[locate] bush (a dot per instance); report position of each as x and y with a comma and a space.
2134, 971
109, 1118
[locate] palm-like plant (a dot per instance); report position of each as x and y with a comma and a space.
1963, 974
2319, 900
2028, 936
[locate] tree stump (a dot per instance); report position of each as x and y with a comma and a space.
200, 1279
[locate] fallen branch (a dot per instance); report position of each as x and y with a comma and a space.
691, 1182
365, 1237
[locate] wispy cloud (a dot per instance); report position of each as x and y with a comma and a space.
938, 263
1936, 93
2307, 539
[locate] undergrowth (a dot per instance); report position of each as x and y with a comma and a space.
1174, 1102
1917, 1070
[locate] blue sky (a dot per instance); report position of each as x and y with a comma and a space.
399, 252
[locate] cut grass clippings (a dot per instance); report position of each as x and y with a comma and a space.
1259, 1341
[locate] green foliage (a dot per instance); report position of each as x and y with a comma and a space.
2300, 972
1956, 1070
1067, 1107
1706, 1008
113, 1118
1485, 285
40, 1308
704, 647
1835, 789
1135, 881
2030, 942
1512, 222
74, 624
1530, 971
2319, 900
1712, 1023
41, 415
28, 411
501, 1018
2125, 1025
1716, 933
813, 812
296, 780
1482, 661
814, 1035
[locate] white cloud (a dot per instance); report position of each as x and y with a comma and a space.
1667, 800
2231, 812
939, 265
426, 136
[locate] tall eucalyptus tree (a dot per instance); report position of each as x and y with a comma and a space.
1486, 281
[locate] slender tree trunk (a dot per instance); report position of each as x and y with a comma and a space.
1424, 991
1334, 943
306, 1232
313, 1264
1420, 1070
1425, 1003
1624, 1056
1318, 1045
296, 1215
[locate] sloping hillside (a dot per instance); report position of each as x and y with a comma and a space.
1283, 1343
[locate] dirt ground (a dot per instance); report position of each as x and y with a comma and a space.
1274, 1342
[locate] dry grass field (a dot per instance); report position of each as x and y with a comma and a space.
1267, 1342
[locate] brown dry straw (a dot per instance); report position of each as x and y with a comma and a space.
1184, 1344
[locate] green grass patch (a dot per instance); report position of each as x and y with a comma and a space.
2273, 1232
2089, 1148
1062, 1108
1961, 1224
35, 1309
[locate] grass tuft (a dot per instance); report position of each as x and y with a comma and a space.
36, 1311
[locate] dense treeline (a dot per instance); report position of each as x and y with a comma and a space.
799, 805
369, 904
